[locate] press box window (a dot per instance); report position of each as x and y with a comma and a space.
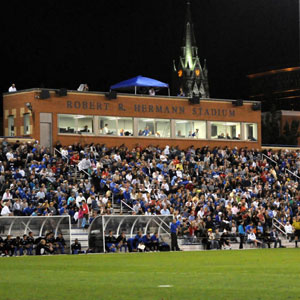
108, 125
26, 118
85, 124
226, 130
125, 126
190, 129
75, 124
154, 127
67, 124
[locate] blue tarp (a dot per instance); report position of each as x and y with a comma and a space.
139, 81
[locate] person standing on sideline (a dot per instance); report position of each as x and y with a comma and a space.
296, 226
174, 230
12, 88
241, 234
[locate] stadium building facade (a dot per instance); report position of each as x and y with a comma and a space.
91, 117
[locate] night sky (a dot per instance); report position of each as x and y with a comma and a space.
62, 44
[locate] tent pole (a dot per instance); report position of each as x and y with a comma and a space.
168, 91
135, 90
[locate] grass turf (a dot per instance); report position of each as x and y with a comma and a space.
249, 274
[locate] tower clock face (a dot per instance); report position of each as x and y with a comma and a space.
180, 73
197, 72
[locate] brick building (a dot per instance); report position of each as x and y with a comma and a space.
87, 117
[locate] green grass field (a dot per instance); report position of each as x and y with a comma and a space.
249, 274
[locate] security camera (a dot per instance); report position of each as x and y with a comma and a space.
28, 105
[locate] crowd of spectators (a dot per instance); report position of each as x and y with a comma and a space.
207, 190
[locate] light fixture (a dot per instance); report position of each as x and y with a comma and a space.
28, 105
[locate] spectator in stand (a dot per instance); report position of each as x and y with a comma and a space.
251, 238
7, 195
5, 212
12, 88
275, 238
197, 184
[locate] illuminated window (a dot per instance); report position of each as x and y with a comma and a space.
120, 126
154, 127
180, 73
190, 129
108, 125
197, 72
226, 130
75, 124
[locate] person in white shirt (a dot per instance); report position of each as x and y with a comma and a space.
79, 199
105, 129
12, 88
251, 239
7, 195
5, 210
9, 155
152, 92
289, 230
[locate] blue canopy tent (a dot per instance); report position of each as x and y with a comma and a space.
139, 81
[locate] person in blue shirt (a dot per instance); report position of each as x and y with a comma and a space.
174, 230
155, 242
146, 240
241, 231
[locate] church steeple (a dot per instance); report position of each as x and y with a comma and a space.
189, 40
192, 78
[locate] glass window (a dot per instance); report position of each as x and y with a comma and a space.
225, 130
67, 124
162, 128
125, 126
11, 126
26, 118
190, 129
154, 127
85, 124
108, 125
251, 131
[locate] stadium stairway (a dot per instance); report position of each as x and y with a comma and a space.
81, 234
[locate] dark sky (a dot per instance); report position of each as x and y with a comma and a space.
63, 44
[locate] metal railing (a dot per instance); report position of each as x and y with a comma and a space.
278, 225
62, 155
76, 166
267, 157
124, 203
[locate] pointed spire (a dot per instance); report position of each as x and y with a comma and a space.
190, 75
189, 41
